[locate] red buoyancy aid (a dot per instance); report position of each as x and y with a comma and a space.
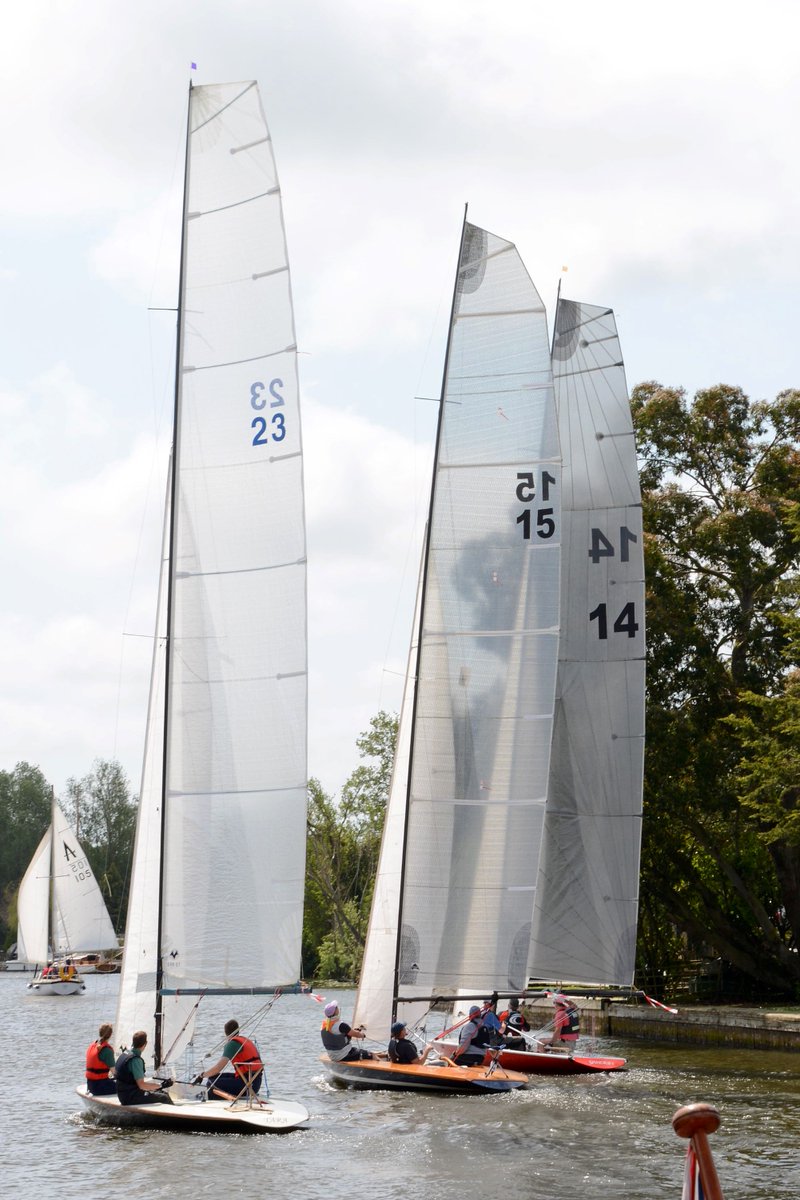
95, 1067
248, 1055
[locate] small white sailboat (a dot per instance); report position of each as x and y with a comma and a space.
218, 876
61, 911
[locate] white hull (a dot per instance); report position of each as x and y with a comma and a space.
56, 986
187, 1114
13, 965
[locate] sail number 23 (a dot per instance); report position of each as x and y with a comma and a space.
270, 426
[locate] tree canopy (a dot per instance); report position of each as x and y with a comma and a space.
721, 853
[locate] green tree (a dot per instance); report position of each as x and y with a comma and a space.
25, 809
342, 857
103, 813
721, 485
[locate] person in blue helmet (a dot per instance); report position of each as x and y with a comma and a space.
403, 1051
473, 1039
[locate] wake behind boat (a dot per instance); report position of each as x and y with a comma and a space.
217, 882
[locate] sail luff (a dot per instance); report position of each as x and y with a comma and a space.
422, 600
170, 559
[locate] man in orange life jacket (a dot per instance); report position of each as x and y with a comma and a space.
99, 1062
238, 1052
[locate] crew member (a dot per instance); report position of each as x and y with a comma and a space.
513, 1025
566, 1023
401, 1050
337, 1036
132, 1087
100, 1063
239, 1069
473, 1039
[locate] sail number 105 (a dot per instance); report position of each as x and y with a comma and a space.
545, 525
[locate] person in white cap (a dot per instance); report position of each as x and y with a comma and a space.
566, 1023
337, 1036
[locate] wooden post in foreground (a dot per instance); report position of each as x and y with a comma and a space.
696, 1121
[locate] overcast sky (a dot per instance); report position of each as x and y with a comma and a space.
651, 150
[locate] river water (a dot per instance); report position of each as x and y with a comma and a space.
581, 1138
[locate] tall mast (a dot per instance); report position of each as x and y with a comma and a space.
51, 921
398, 946
173, 494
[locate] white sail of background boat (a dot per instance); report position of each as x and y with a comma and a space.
587, 895
218, 876
60, 910
454, 893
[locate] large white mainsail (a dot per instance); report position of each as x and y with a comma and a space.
60, 907
587, 897
483, 708
225, 815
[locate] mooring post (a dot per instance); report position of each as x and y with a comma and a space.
696, 1122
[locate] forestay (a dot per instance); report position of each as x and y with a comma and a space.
488, 642
230, 658
586, 902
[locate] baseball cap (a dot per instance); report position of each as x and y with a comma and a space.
331, 1008
398, 1027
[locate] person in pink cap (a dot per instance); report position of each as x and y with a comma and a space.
337, 1037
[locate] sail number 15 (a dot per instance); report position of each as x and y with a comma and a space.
273, 428
545, 525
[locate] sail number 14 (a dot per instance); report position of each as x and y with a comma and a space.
603, 547
274, 428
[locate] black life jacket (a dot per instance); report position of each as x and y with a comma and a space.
128, 1089
516, 1021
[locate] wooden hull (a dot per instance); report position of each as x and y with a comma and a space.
548, 1062
190, 1115
380, 1073
51, 985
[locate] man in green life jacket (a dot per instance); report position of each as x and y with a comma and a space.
132, 1087
240, 1068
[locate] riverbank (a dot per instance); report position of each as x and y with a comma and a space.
746, 1028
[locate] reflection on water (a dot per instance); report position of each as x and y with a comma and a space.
579, 1138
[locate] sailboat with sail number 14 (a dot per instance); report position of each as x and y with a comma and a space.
217, 886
